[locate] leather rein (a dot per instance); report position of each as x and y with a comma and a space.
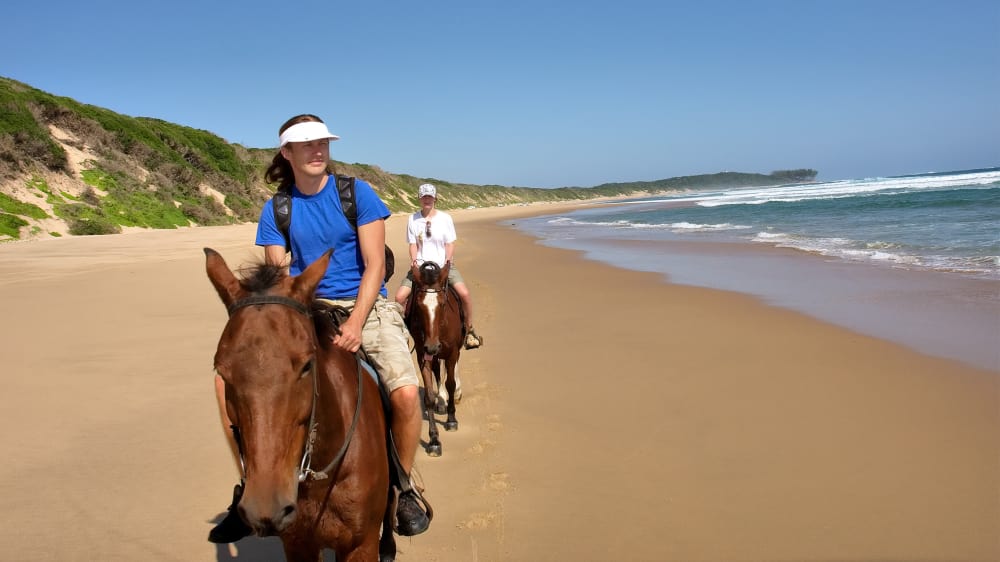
305, 466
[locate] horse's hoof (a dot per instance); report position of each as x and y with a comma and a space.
434, 450
441, 408
386, 558
451, 426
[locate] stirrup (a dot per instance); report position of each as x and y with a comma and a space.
473, 340
418, 514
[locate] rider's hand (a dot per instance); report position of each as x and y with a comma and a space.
349, 337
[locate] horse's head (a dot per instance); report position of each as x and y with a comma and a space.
430, 295
267, 356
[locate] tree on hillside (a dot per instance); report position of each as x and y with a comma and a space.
794, 176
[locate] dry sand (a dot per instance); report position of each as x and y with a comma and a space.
610, 416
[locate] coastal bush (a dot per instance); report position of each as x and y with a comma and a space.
794, 176
90, 197
28, 141
92, 227
16, 207
10, 225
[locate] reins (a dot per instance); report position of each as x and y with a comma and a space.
305, 470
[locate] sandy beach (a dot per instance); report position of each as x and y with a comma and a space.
610, 416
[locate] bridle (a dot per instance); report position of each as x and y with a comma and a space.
305, 466
420, 287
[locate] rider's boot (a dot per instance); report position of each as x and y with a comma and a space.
411, 519
232, 528
413, 513
472, 340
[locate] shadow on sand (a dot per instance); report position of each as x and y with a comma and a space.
255, 549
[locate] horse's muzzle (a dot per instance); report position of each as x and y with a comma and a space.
268, 522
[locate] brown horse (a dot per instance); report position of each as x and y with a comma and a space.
299, 404
435, 322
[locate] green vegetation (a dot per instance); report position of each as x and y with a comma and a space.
127, 204
795, 176
10, 225
146, 172
22, 138
14, 207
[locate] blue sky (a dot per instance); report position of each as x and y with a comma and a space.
546, 94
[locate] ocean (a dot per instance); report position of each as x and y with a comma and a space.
912, 259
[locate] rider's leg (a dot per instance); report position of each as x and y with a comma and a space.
406, 423
232, 528
385, 341
463, 293
402, 294
472, 340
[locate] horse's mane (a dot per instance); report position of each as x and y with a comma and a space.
259, 277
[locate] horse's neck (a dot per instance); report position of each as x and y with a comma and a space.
337, 391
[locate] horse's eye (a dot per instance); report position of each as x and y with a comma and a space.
306, 369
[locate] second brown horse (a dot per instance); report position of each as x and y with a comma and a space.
435, 323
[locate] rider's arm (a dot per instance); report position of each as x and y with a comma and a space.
274, 255
371, 239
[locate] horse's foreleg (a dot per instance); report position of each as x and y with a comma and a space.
451, 365
441, 397
387, 543
433, 443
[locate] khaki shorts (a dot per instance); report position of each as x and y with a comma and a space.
454, 277
384, 339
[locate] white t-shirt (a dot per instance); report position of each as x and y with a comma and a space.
442, 231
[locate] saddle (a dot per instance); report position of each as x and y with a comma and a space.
328, 318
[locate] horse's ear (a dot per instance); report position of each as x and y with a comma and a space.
221, 277
445, 270
304, 285
415, 269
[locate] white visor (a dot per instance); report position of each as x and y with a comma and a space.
303, 132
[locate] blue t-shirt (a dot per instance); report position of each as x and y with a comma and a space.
318, 224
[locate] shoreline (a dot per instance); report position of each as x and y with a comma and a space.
609, 415
902, 305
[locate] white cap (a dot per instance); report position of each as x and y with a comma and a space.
306, 131
428, 189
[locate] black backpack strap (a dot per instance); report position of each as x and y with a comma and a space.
282, 204
348, 200
349, 204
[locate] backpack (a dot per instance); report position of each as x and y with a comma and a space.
282, 204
